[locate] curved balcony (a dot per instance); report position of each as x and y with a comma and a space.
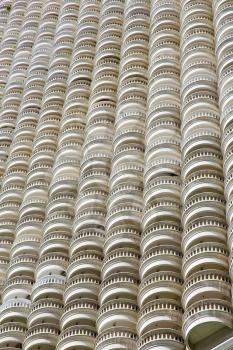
121, 260
162, 210
117, 313
162, 313
17, 287
164, 186
12, 334
87, 239
82, 286
212, 284
203, 205
202, 181
78, 337
119, 285
54, 242
45, 311
202, 160
203, 256
22, 265
116, 338
48, 287
204, 318
160, 258
204, 230
161, 339
161, 233
15, 310
160, 285
51, 264
44, 334
88, 262
118, 238
80, 311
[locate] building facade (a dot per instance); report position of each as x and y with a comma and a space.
116, 174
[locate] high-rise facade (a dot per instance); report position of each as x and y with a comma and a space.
116, 174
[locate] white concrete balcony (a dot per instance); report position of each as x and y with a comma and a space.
48, 286
12, 334
164, 284
51, 264
44, 334
121, 260
202, 181
204, 230
201, 160
117, 338
80, 337
119, 285
87, 239
212, 284
54, 242
162, 313
201, 205
161, 233
80, 311
160, 258
204, 318
22, 265
203, 256
15, 310
122, 237
161, 210
165, 186
82, 286
17, 287
117, 313
45, 311
161, 338
89, 262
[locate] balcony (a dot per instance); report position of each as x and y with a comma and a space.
45, 311
203, 319
44, 334
117, 338
119, 313
213, 284
15, 310
119, 285
88, 262
19, 287
161, 338
161, 233
122, 237
164, 284
12, 334
161, 258
78, 338
203, 256
48, 287
82, 286
121, 260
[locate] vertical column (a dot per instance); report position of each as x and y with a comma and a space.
63, 188
17, 67
28, 231
14, 178
83, 273
10, 194
223, 20
206, 294
5, 9
160, 317
117, 320
9, 43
